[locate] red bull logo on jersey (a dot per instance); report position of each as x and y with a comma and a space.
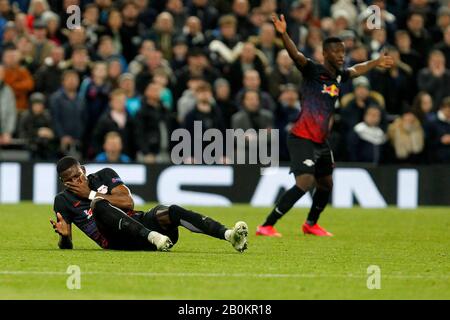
332, 90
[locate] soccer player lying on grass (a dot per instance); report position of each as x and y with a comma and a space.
311, 156
101, 206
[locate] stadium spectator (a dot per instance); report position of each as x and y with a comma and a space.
139, 62
95, 93
115, 119
163, 34
207, 14
422, 108
252, 81
241, 10
420, 37
204, 111
313, 40
48, 77
80, 62
440, 132
9, 35
107, 51
91, 16
288, 110
188, 99
193, 33
407, 138
8, 114
162, 79
128, 84
365, 142
442, 24
41, 45
35, 127
284, 73
180, 53
114, 72
112, 150
179, 14
224, 102
17, 77
444, 46
132, 30
36, 11
394, 84
354, 105
154, 61
435, 79
268, 43
67, 111
147, 13
248, 60
407, 54
6, 10
251, 115
153, 127
226, 46
77, 38
198, 66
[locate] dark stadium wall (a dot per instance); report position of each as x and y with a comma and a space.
366, 186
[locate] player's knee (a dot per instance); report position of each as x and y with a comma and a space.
305, 182
325, 184
175, 213
98, 204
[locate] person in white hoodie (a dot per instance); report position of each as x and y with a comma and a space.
365, 142
8, 115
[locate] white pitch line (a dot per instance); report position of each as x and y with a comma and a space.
225, 275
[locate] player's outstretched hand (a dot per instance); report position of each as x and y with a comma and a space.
385, 61
280, 24
61, 227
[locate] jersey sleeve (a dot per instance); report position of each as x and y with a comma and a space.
59, 205
345, 75
110, 178
308, 70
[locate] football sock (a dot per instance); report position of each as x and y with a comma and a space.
196, 222
286, 202
118, 222
320, 201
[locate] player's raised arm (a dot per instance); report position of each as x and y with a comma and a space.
384, 61
64, 230
281, 27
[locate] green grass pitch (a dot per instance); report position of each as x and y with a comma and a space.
411, 247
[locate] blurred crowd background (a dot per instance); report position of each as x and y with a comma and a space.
114, 89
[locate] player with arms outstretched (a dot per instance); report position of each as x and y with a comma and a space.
101, 206
311, 157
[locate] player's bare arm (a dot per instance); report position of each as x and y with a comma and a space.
120, 196
384, 61
64, 230
281, 27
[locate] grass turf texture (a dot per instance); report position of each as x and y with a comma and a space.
410, 247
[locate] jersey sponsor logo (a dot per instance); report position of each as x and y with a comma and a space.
332, 90
88, 213
308, 163
102, 189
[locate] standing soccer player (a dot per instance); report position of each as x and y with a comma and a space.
311, 156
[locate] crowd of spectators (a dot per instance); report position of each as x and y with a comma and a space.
115, 88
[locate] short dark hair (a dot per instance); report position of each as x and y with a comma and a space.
65, 163
329, 41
